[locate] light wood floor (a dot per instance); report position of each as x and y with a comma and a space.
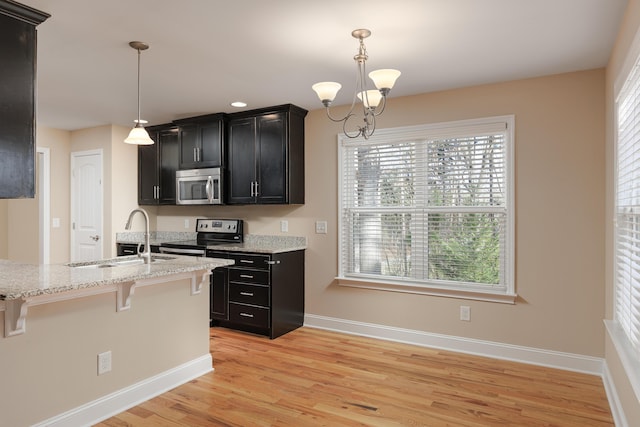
311, 377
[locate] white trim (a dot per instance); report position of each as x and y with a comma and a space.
427, 289
630, 59
125, 398
534, 356
441, 130
626, 353
615, 405
44, 176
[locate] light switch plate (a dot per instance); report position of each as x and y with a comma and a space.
321, 227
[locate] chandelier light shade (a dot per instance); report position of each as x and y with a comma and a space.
139, 135
373, 101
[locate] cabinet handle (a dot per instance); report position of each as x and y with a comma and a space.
273, 262
252, 191
246, 276
246, 294
257, 192
246, 315
195, 155
199, 154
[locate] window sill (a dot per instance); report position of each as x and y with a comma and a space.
412, 288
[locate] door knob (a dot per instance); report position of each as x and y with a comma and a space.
95, 238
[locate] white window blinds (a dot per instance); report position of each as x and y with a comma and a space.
627, 209
428, 205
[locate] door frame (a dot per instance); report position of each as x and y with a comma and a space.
44, 204
72, 231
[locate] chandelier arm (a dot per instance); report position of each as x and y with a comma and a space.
384, 104
349, 135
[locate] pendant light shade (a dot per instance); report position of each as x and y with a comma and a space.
139, 135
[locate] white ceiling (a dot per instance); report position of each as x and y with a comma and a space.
206, 53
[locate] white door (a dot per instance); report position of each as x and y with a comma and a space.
86, 205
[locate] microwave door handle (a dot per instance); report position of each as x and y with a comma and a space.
208, 189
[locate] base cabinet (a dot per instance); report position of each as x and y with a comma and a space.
260, 293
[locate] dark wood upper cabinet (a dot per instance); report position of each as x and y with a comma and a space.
157, 165
202, 141
17, 98
266, 156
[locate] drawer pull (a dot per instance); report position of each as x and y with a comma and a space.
273, 262
246, 315
246, 261
246, 276
247, 294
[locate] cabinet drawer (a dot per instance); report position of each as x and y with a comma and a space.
249, 294
243, 275
251, 260
249, 315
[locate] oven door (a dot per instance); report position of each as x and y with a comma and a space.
203, 188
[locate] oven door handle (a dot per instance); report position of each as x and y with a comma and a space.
178, 251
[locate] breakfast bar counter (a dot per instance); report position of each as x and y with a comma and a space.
20, 280
84, 340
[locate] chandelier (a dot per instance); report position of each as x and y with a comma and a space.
373, 101
138, 134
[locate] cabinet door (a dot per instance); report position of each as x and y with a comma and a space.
148, 172
17, 139
189, 146
272, 158
211, 137
219, 303
242, 161
168, 146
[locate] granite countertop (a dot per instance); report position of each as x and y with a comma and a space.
252, 242
20, 280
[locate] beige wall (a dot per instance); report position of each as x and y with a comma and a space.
629, 28
559, 217
52, 368
559, 214
4, 229
22, 214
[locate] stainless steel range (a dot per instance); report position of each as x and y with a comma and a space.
210, 232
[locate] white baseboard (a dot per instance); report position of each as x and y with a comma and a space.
123, 399
534, 356
615, 405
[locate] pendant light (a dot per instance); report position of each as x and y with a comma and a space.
373, 101
139, 135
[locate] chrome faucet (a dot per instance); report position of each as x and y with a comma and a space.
146, 254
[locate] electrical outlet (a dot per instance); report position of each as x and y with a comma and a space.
104, 362
284, 226
186, 223
465, 313
321, 227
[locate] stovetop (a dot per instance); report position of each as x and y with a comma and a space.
212, 232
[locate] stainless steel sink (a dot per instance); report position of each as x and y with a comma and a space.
126, 262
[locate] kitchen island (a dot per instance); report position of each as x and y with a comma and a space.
150, 321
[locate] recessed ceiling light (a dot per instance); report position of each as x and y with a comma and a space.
238, 104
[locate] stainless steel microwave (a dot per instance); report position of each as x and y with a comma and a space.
199, 187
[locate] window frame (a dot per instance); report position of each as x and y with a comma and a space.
451, 129
626, 350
